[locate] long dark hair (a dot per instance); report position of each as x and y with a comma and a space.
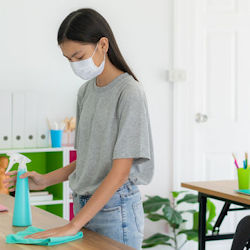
88, 26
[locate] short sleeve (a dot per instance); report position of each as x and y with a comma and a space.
80, 95
77, 119
133, 138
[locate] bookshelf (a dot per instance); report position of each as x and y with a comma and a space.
44, 160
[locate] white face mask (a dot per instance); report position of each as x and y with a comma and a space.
86, 69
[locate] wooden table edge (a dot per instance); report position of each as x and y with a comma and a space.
239, 198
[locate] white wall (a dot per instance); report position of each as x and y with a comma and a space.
31, 60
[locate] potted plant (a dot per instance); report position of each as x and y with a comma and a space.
157, 208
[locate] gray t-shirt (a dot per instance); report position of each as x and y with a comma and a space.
112, 122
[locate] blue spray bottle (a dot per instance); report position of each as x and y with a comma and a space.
22, 212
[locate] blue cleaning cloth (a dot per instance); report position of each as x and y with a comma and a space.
18, 237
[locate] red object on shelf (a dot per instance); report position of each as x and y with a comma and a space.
71, 213
72, 157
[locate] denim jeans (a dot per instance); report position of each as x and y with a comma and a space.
121, 218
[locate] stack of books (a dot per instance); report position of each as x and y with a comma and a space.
41, 196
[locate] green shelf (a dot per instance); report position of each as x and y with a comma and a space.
56, 209
45, 162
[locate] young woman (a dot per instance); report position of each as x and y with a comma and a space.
113, 136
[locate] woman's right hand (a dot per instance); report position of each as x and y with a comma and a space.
36, 181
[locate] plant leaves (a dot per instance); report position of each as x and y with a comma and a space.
172, 216
157, 239
152, 245
189, 198
209, 226
211, 209
152, 204
191, 211
156, 217
176, 193
211, 213
191, 234
196, 221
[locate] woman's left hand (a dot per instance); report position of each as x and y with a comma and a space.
66, 230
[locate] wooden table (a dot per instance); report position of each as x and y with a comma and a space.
220, 190
43, 219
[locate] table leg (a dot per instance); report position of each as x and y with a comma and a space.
202, 220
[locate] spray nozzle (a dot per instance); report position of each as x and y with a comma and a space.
17, 158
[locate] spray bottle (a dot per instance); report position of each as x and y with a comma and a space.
22, 212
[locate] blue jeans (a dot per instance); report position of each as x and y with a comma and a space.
121, 219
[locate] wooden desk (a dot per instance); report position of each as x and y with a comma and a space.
219, 190
42, 219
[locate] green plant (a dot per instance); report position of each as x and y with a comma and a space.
157, 208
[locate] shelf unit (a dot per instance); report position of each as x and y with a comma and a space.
44, 160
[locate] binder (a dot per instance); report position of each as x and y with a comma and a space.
43, 135
18, 117
30, 121
6, 119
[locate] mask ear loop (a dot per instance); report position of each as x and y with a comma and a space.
94, 50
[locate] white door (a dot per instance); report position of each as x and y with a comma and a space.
212, 105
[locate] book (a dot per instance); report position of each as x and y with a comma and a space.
39, 193
243, 191
48, 197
